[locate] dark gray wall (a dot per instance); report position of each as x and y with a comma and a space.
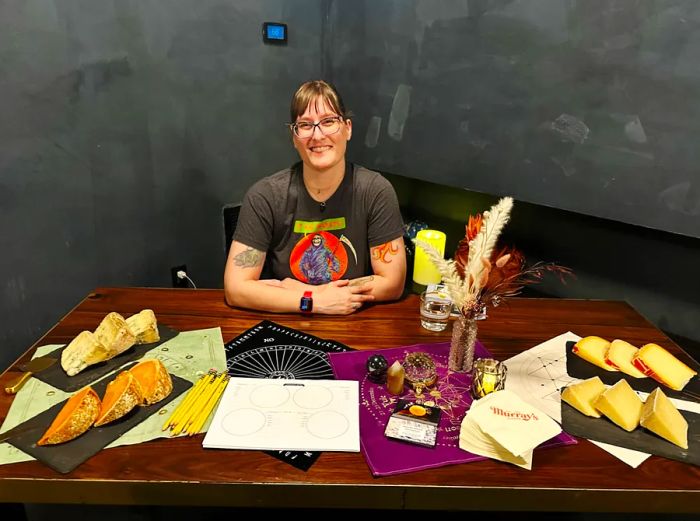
588, 108
585, 105
125, 125
654, 271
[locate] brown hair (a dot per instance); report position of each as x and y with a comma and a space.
309, 92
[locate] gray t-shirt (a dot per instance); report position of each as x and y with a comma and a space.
319, 242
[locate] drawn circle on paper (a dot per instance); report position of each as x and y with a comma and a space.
327, 425
313, 397
269, 396
243, 422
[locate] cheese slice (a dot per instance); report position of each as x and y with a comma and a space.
621, 405
593, 350
620, 355
661, 417
582, 395
653, 360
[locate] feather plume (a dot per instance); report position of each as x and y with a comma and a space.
448, 270
480, 275
482, 246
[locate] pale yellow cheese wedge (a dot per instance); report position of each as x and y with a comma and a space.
593, 350
661, 417
621, 405
583, 395
653, 360
620, 355
83, 351
144, 326
114, 333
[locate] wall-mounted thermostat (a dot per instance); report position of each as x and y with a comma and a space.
274, 32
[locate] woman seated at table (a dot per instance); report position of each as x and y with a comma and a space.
330, 232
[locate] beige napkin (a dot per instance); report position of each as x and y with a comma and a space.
504, 427
472, 439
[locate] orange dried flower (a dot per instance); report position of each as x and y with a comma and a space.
470, 231
508, 262
473, 226
495, 272
507, 271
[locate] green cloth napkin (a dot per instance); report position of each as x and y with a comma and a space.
189, 355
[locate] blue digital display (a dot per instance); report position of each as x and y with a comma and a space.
274, 32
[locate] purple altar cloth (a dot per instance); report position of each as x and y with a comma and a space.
386, 456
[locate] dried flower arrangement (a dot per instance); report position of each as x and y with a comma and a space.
482, 274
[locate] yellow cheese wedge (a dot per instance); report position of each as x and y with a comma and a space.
621, 405
620, 355
582, 395
593, 350
653, 360
661, 417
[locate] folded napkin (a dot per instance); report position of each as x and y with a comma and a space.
504, 427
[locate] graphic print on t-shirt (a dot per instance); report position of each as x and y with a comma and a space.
318, 257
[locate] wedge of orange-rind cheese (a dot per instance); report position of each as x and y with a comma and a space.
154, 380
593, 349
654, 361
122, 394
75, 417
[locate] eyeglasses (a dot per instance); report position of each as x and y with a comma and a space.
327, 126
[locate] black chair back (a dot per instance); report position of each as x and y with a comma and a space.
230, 216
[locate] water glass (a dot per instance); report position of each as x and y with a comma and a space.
435, 308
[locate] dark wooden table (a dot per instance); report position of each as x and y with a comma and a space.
179, 471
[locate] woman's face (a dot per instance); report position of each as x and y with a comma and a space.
318, 151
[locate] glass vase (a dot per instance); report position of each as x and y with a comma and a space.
463, 344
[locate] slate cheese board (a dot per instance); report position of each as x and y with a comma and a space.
641, 439
67, 456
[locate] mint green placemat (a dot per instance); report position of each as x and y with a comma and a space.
189, 355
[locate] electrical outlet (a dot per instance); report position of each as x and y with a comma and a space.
179, 283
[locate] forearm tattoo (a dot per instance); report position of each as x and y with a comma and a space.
250, 258
362, 280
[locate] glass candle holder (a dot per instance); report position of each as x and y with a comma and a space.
488, 375
420, 370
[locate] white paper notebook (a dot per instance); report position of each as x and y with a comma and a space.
270, 414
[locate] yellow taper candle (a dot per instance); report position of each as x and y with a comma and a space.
424, 272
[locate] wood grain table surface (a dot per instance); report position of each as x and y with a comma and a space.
576, 478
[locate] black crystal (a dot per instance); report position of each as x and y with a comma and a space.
376, 368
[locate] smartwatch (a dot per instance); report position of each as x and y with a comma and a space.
306, 304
